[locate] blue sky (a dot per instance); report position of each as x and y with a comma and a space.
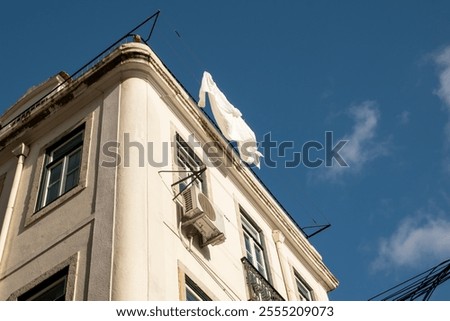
374, 73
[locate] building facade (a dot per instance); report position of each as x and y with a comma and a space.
115, 186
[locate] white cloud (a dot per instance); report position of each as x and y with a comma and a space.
404, 117
442, 59
416, 241
361, 147
446, 162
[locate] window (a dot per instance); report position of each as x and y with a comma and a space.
57, 284
62, 168
194, 292
52, 289
303, 290
2, 182
254, 245
188, 161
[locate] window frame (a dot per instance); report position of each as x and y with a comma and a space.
254, 238
187, 160
195, 290
301, 283
68, 268
46, 286
51, 162
33, 212
2, 182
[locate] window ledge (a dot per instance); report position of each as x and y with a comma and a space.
53, 205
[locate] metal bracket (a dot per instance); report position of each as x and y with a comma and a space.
319, 227
195, 174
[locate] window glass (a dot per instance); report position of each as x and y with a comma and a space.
191, 295
248, 247
73, 170
66, 146
303, 289
54, 182
194, 292
260, 260
2, 182
62, 168
253, 246
52, 289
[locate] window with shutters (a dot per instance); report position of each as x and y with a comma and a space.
188, 163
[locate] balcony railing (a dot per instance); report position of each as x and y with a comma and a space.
259, 288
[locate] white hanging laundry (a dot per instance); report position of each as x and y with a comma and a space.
229, 119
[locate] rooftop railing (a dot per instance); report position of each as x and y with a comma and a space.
81, 71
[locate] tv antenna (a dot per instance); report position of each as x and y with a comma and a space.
79, 72
319, 228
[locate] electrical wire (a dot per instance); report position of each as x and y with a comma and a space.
419, 286
225, 252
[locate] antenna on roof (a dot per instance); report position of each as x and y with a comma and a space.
130, 33
319, 228
79, 72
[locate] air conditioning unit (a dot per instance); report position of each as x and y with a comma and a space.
200, 213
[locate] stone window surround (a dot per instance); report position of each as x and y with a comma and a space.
71, 263
32, 213
183, 271
298, 278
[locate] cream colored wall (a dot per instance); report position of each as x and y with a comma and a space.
148, 250
34, 248
223, 259
123, 224
7, 169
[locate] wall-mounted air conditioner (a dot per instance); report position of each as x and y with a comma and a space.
200, 213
